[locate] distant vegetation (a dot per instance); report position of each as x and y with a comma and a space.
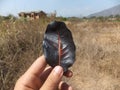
100, 18
9, 17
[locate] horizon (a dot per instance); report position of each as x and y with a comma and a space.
66, 8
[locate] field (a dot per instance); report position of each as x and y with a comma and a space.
97, 65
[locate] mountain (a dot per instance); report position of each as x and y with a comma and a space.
111, 11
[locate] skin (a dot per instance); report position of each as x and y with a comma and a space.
40, 77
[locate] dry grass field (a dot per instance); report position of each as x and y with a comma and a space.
97, 65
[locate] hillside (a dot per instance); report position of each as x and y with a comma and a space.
108, 12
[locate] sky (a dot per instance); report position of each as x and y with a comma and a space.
66, 8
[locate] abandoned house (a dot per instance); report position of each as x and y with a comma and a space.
32, 15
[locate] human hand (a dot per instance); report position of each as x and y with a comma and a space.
40, 77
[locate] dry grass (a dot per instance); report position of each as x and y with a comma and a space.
20, 45
97, 65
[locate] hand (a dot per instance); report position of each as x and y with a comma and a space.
40, 77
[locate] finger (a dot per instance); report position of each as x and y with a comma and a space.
37, 67
64, 86
34, 82
44, 75
68, 73
53, 79
31, 79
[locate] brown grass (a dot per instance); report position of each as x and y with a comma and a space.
97, 65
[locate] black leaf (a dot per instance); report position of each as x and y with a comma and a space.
58, 45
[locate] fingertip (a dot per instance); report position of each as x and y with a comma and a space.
64, 86
42, 57
70, 88
68, 73
58, 70
37, 67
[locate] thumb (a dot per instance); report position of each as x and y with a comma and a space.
53, 79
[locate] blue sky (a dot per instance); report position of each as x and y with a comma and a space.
63, 7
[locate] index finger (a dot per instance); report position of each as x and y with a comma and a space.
38, 66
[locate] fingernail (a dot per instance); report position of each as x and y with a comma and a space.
58, 70
70, 88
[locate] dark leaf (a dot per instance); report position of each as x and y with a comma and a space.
58, 45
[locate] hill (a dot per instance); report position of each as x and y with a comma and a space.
108, 12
